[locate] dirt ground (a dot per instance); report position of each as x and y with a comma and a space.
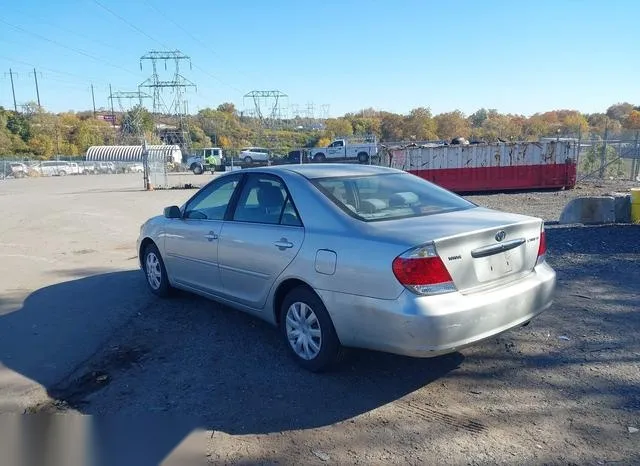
197, 382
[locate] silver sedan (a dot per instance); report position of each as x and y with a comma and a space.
340, 255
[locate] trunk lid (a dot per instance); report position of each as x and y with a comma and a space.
481, 248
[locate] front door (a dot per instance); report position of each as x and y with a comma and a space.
191, 242
261, 239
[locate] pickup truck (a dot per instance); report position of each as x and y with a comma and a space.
208, 159
342, 149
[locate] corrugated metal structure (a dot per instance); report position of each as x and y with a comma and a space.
160, 153
489, 167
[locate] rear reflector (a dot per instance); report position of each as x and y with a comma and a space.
423, 272
542, 246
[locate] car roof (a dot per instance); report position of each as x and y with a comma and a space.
328, 170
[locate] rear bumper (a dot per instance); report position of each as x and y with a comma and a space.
426, 326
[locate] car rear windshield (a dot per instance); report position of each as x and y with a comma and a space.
389, 196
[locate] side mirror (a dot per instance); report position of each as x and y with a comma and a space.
172, 212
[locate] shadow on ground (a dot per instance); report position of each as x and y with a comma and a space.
187, 363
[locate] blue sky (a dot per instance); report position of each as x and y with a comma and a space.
516, 56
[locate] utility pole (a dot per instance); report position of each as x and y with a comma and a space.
13, 91
35, 76
603, 158
113, 115
93, 99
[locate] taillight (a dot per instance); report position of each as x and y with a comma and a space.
542, 246
422, 271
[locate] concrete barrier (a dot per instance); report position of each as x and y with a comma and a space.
622, 206
591, 210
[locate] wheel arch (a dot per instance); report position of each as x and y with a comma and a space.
143, 245
281, 292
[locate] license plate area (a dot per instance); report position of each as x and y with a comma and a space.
497, 265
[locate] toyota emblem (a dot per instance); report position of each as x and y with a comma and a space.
501, 235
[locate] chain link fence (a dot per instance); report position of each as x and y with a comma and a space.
608, 159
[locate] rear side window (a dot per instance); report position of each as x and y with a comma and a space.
389, 196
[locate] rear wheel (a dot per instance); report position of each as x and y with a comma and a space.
319, 158
62, 173
308, 330
248, 160
155, 272
363, 157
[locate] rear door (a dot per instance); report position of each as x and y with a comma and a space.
191, 243
260, 240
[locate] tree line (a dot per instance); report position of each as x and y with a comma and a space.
40, 134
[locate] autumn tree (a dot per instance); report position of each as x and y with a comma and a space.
391, 127
619, 111
632, 121
420, 125
452, 125
338, 127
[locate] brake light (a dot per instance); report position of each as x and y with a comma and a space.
542, 246
422, 271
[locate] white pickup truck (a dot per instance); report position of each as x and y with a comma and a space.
342, 149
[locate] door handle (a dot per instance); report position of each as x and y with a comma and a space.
283, 244
211, 236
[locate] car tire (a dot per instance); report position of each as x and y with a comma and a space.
155, 272
363, 157
298, 307
319, 158
248, 160
62, 173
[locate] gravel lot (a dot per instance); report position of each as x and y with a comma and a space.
79, 333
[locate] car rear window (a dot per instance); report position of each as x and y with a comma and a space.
389, 196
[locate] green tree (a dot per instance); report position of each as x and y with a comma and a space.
593, 158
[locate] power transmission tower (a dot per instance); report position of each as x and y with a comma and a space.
177, 108
132, 129
269, 107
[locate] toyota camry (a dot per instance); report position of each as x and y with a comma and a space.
347, 255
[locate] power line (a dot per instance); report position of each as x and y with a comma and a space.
196, 39
129, 23
73, 49
51, 70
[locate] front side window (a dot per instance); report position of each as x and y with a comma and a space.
264, 199
212, 201
389, 196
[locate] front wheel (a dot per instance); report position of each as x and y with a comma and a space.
248, 160
155, 272
308, 330
197, 169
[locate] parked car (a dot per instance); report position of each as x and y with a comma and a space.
13, 169
353, 255
254, 154
52, 168
105, 167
